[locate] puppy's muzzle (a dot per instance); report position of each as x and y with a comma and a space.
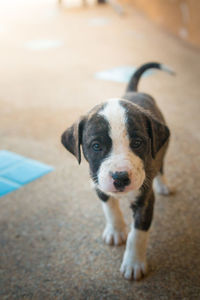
121, 180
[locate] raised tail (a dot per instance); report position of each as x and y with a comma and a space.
133, 83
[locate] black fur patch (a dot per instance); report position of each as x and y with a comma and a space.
102, 195
135, 125
96, 129
146, 123
143, 209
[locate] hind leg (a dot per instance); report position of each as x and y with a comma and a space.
160, 184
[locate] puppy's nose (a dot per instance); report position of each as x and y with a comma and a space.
121, 180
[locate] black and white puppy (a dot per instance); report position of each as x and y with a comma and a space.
124, 141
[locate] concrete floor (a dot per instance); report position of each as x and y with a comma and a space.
51, 245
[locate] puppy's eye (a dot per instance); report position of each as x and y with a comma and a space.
96, 147
136, 143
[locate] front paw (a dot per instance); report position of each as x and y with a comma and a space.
133, 269
162, 189
160, 186
116, 237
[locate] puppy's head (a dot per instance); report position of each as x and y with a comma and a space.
118, 138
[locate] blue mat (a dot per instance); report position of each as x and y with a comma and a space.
16, 171
119, 74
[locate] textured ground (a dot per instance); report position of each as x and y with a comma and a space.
51, 246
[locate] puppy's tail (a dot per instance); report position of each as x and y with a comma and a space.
133, 83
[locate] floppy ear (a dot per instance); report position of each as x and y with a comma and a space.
72, 139
159, 134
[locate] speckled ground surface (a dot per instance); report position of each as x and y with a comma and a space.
50, 230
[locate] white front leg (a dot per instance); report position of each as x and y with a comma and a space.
134, 261
115, 230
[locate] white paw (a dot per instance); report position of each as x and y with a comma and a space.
162, 190
160, 186
112, 236
133, 269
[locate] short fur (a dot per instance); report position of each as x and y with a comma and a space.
124, 141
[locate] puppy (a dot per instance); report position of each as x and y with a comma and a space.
124, 141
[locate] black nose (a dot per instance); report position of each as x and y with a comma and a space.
121, 179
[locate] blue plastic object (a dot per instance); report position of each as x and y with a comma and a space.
16, 171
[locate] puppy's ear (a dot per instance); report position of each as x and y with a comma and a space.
158, 133
72, 138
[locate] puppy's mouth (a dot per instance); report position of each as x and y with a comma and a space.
119, 190
114, 187
123, 190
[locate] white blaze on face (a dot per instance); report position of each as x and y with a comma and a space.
121, 158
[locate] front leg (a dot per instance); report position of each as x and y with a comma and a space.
134, 264
115, 231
